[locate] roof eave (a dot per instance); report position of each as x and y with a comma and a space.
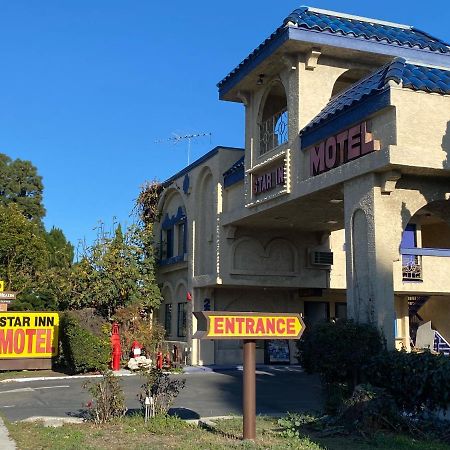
324, 39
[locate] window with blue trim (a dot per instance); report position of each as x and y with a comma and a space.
173, 245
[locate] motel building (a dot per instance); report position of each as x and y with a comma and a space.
339, 205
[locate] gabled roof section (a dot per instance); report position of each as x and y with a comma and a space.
368, 93
322, 27
364, 28
199, 161
235, 173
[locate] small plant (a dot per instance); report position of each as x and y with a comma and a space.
108, 401
292, 424
161, 389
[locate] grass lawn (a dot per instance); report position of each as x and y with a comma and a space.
172, 433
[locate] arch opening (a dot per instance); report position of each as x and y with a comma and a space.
273, 127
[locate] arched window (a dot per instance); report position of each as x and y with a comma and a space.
273, 128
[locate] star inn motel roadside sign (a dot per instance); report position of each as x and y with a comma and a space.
248, 326
28, 340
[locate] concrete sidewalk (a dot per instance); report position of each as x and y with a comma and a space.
6, 443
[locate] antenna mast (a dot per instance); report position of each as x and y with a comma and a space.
177, 138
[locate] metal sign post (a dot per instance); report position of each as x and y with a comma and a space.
249, 388
249, 327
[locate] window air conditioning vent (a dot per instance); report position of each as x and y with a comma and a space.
321, 258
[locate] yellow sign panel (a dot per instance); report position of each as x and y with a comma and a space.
28, 334
2, 285
227, 325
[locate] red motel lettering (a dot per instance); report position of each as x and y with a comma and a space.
342, 148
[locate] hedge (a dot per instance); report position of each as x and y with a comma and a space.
82, 350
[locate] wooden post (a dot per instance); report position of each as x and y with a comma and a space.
249, 388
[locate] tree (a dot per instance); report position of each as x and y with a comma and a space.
115, 272
23, 249
60, 250
21, 184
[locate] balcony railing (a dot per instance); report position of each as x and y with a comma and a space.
412, 267
273, 131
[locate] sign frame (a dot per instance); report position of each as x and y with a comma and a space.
204, 324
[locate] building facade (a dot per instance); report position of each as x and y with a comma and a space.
338, 206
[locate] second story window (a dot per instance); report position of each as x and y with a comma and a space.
173, 238
273, 126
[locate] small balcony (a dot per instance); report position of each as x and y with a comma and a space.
273, 131
422, 270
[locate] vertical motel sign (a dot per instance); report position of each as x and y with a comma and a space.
248, 326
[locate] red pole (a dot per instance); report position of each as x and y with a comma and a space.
249, 388
116, 349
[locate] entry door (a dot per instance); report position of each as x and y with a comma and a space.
316, 312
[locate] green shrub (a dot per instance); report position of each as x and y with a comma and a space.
108, 399
162, 388
337, 351
82, 350
415, 380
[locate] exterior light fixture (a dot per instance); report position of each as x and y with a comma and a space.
260, 79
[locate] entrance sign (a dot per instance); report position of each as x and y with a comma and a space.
248, 326
229, 325
344, 147
28, 334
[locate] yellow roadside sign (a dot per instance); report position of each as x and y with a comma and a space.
2, 285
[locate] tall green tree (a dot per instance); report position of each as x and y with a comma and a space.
115, 272
23, 249
60, 250
21, 184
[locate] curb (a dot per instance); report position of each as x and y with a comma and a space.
186, 371
49, 421
64, 377
6, 443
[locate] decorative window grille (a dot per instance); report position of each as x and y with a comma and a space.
273, 131
412, 267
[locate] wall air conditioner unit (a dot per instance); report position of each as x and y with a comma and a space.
321, 258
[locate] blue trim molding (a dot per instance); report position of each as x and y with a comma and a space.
443, 252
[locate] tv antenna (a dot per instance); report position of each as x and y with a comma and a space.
177, 138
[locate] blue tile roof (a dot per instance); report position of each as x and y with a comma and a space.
418, 78
235, 173
362, 29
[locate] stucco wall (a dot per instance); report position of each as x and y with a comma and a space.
423, 124
437, 309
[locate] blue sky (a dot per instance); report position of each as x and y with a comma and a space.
88, 86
